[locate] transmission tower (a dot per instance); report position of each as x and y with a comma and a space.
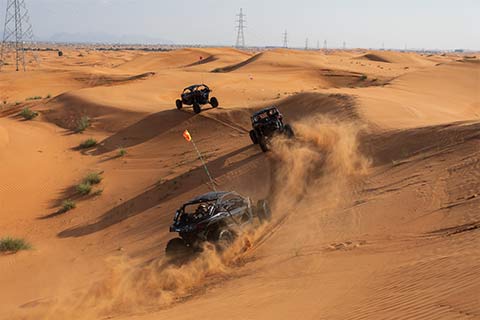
17, 33
325, 45
240, 30
344, 45
306, 44
285, 39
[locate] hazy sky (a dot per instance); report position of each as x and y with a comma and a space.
444, 24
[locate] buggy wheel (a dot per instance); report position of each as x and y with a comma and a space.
264, 213
288, 131
253, 136
176, 248
214, 102
263, 144
225, 238
179, 104
196, 108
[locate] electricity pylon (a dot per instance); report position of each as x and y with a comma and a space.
17, 33
285, 39
240, 30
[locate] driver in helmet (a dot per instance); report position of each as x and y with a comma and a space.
202, 211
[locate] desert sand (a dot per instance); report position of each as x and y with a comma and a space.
376, 204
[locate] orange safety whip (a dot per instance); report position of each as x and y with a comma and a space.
188, 137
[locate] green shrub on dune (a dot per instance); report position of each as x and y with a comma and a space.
83, 124
13, 245
28, 114
88, 143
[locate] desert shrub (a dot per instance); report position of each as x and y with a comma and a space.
4, 101
67, 205
84, 188
28, 114
34, 98
98, 192
88, 143
363, 77
122, 152
83, 124
48, 96
93, 178
13, 245
17, 103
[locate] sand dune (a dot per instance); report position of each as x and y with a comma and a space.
410, 59
187, 58
375, 203
443, 94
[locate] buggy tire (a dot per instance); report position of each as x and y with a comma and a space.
179, 104
214, 102
224, 239
263, 144
196, 108
253, 136
289, 131
176, 247
264, 213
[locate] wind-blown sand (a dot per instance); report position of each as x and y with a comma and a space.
376, 205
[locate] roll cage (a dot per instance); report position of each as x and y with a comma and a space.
196, 87
266, 115
215, 201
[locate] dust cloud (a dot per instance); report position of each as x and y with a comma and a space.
323, 157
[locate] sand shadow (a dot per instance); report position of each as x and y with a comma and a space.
144, 130
159, 193
397, 146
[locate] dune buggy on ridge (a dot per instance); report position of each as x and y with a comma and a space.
216, 217
196, 95
267, 123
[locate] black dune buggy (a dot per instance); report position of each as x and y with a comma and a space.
196, 95
216, 217
266, 123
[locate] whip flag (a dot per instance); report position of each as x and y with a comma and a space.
188, 137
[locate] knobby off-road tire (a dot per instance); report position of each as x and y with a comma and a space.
263, 144
253, 136
196, 108
214, 102
179, 104
177, 248
289, 131
224, 239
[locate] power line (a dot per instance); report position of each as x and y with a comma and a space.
240, 30
285, 39
17, 33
